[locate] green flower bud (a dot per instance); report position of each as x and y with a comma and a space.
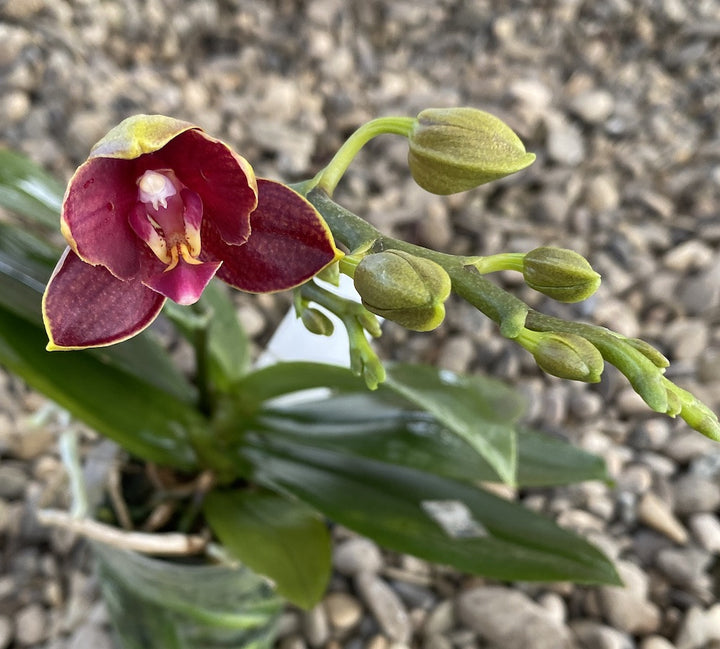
561, 274
568, 356
317, 322
455, 149
403, 288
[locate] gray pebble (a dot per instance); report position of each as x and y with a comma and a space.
593, 635
602, 194
357, 555
685, 567
13, 481
693, 494
440, 619
509, 619
6, 631
31, 624
656, 642
628, 608
706, 528
385, 606
593, 106
90, 635
315, 626
656, 513
344, 612
564, 142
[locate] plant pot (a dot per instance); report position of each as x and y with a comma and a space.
154, 602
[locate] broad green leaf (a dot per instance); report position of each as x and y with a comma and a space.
367, 426
142, 418
481, 411
432, 517
29, 190
286, 378
280, 538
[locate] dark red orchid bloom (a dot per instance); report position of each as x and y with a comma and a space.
159, 209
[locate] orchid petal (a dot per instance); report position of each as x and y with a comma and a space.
184, 282
224, 180
86, 306
95, 215
138, 135
289, 244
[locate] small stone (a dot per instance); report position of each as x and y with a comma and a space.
690, 255
378, 641
593, 106
656, 642
385, 606
343, 610
555, 606
434, 228
564, 143
6, 632
692, 633
706, 528
694, 494
315, 626
293, 641
651, 433
456, 354
440, 619
627, 608
13, 481
436, 641
686, 567
90, 635
593, 635
357, 555
15, 106
252, 319
31, 624
509, 619
656, 513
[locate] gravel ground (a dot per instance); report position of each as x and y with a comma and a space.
621, 102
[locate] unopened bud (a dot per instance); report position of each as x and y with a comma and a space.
561, 274
403, 288
568, 356
317, 322
455, 149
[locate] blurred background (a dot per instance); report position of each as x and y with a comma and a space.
619, 99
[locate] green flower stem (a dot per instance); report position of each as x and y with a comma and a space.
330, 176
356, 319
505, 309
639, 362
503, 261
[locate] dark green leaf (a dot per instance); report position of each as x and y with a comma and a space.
143, 419
286, 378
29, 190
280, 538
367, 426
481, 411
398, 507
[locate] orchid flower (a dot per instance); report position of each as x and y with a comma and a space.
158, 210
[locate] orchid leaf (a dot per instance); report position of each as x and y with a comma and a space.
366, 426
27, 189
432, 517
144, 419
481, 411
283, 539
